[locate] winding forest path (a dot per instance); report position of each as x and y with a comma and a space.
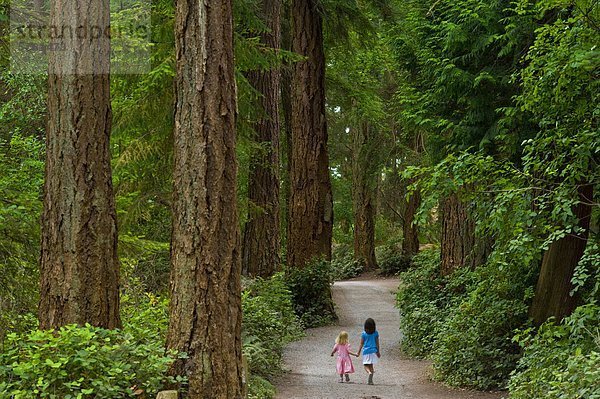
312, 371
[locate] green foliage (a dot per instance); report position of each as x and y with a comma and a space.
21, 162
560, 361
82, 362
343, 264
465, 321
586, 278
141, 139
260, 388
22, 104
458, 64
424, 303
474, 347
391, 261
311, 292
145, 264
145, 317
269, 323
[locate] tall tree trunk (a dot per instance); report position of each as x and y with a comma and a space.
205, 311
286, 105
458, 231
410, 241
363, 196
4, 53
79, 266
260, 254
310, 219
552, 294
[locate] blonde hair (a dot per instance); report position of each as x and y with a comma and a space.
342, 338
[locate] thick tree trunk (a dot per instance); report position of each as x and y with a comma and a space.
363, 196
552, 294
79, 266
260, 255
410, 241
286, 105
310, 219
458, 232
205, 312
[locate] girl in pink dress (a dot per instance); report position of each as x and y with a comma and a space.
344, 363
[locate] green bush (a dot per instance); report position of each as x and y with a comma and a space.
424, 303
145, 265
464, 322
81, 362
474, 348
21, 179
260, 388
343, 264
391, 261
561, 361
145, 317
269, 323
311, 292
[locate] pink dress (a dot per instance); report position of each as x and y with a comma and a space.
344, 363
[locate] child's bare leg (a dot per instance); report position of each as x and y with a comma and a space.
370, 371
341, 377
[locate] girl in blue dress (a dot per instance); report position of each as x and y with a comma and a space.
369, 344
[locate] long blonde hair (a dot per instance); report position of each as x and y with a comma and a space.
342, 338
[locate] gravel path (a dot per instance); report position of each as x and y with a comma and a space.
312, 371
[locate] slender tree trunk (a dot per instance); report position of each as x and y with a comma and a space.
4, 54
260, 255
79, 266
552, 294
310, 219
363, 196
205, 311
458, 232
410, 242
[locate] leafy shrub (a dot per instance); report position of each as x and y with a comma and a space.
145, 317
391, 261
474, 348
343, 264
269, 323
145, 264
424, 303
464, 322
561, 361
81, 362
311, 292
21, 179
260, 388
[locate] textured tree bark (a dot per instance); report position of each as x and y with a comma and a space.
552, 294
458, 231
205, 311
310, 213
4, 56
79, 266
260, 254
410, 241
364, 181
286, 105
